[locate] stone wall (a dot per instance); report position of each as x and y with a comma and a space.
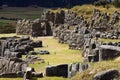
40, 27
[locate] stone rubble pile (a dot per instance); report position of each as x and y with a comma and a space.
11, 63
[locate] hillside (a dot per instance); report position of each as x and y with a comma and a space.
87, 10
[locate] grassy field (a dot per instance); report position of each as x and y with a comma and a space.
59, 54
20, 12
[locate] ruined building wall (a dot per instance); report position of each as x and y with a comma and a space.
40, 27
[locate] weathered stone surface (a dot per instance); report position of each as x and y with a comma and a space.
39, 27
13, 66
109, 52
107, 75
59, 70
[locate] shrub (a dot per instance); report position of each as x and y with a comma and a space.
101, 2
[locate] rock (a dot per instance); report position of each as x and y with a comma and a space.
108, 52
59, 70
27, 27
107, 75
43, 52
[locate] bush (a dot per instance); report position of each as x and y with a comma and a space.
101, 3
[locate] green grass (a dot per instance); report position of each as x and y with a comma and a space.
59, 53
3, 23
19, 12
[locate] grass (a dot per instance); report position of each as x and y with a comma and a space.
60, 53
109, 40
21, 12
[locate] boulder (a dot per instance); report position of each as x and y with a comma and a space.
107, 75
108, 52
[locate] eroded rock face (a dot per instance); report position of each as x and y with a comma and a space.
107, 75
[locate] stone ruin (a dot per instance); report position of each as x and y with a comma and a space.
80, 33
27, 27
94, 51
83, 34
11, 64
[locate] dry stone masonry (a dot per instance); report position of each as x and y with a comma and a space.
78, 33
27, 27
11, 63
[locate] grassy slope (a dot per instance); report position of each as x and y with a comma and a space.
87, 10
97, 67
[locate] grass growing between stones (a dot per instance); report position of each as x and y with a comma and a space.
95, 68
108, 40
59, 54
87, 10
